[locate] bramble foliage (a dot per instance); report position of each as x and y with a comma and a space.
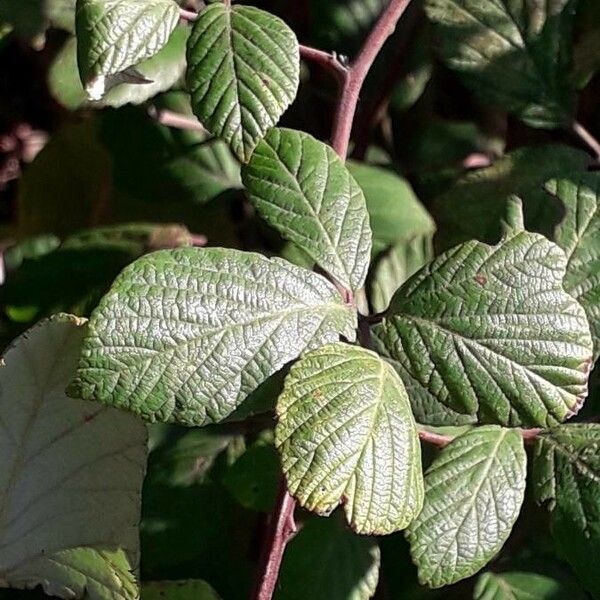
402, 342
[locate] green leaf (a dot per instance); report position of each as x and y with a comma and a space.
489, 331
185, 335
473, 494
394, 267
254, 477
162, 71
71, 475
301, 187
579, 236
346, 435
514, 54
113, 36
519, 585
327, 561
31, 18
586, 50
243, 72
178, 590
475, 206
395, 213
566, 473
75, 275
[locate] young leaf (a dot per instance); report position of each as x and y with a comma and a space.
301, 187
327, 561
490, 331
346, 435
473, 494
243, 72
162, 71
71, 475
515, 54
395, 213
579, 236
566, 473
520, 585
193, 589
113, 36
185, 335
475, 206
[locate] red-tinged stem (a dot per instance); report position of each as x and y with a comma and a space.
176, 120
188, 15
326, 60
437, 439
346, 109
587, 138
281, 528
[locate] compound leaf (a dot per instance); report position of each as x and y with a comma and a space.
70, 477
473, 494
489, 331
185, 335
300, 186
346, 434
113, 36
243, 72
515, 54
579, 236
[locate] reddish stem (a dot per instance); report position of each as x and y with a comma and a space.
437, 439
176, 120
281, 528
356, 75
325, 59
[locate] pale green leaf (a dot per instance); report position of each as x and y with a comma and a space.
489, 332
566, 474
475, 206
515, 54
70, 478
162, 70
520, 585
243, 72
328, 561
473, 494
395, 213
579, 236
192, 589
300, 186
114, 36
185, 335
346, 435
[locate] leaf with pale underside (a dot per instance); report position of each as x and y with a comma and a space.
489, 332
566, 475
346, 435
70, 476
300, 187
186, 335
515, 54
243, 72
579, 236
113, 36
473, 494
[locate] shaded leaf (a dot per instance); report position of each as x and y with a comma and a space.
71, 475
489, 331
178, 590
514, 54
115, 35
203, 328
301, 187
518, 585
579, 236
243, 72
473, 494
327, 561
346, 435
475, 206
